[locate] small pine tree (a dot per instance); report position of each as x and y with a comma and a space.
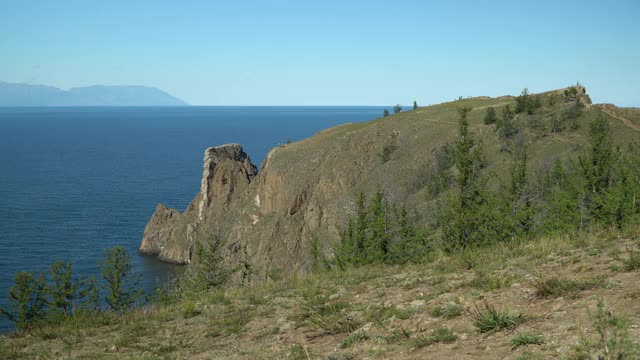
119, 280
207, 269
246, 267
397, 108
521, 101
28, 298
318, 260
490, 116
517, 219
415, 105
506, 124
462, 216
68, 292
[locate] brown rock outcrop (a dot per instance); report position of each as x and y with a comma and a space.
170, 235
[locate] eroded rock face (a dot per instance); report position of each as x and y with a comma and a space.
170, 235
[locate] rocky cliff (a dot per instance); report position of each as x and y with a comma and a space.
306, 189
170, 235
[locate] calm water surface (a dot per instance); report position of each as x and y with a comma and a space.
77, 181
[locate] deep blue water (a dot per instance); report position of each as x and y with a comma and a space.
76, 181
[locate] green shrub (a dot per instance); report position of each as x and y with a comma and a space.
439, 335
387, 150
190, 310
555, 287
633, 261
612, 339
525, 339
297, 352
488, 319
354, 338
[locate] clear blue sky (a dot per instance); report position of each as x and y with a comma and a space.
326, 52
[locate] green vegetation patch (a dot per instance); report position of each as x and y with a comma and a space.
439, 335
487, 319
556, 287
525, 339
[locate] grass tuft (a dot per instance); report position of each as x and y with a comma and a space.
633, 261
354, 338
488, 319
439, 335
525, 339
556, 287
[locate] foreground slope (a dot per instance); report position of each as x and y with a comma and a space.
549, 288
306, 189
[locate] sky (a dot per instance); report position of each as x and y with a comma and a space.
326, 52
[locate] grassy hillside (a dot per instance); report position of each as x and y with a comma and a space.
545, 292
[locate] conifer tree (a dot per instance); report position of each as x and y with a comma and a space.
463, 217
28, 298
490, 116
68, 292
119, 280
207, 269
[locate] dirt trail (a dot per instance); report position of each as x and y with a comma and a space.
624, 120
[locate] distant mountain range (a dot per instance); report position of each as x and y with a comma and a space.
13, 94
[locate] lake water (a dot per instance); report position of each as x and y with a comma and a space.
77, 181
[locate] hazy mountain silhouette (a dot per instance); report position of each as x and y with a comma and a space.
13, 94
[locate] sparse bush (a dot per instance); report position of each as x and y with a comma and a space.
397, 108
386, 112
571, 94
387, 150
633, 261
297, 352
356, 337
612, 340
573, 112
525, 339
189, 309
556, 123
488, 319
555, 287
415, 105
378, 314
